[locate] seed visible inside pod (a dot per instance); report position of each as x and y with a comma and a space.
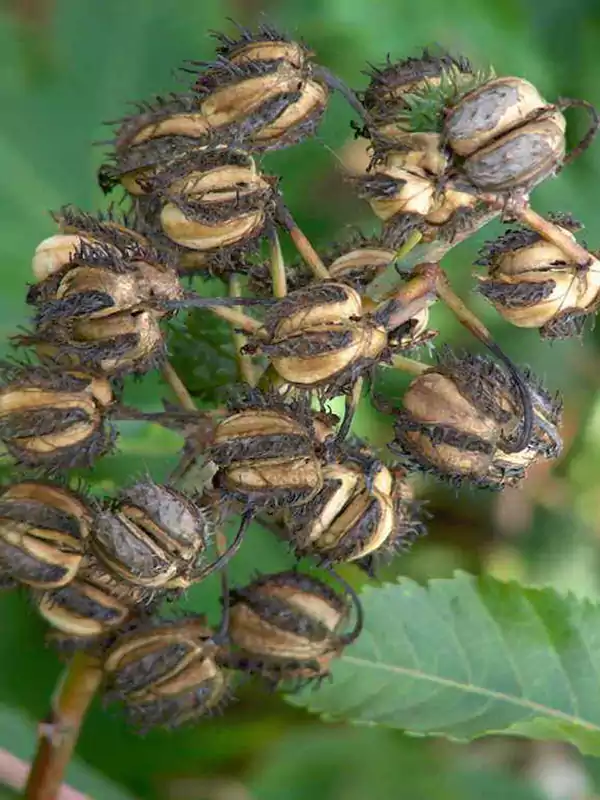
266, 457
166, 673
43, 533
459, 419
489, 111
54, 418
153, 537
287, 626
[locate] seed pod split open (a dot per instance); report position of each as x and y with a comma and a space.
263, 84
166, 673
286, 627
153, 537
54, 418
93, 605
532, 284
43, 533
458, 421
266, 457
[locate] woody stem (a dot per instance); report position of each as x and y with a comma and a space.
302, 244
245, 364
184, 398
58, 736
546, 229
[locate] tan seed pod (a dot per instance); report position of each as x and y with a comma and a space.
154, 537
53, 417
264, 85
532, 284
287, 626
354, 515
92, 605
166, 673
393, 190
521, 158
129, 342
266, 457
459, 419
490, 111
43, 533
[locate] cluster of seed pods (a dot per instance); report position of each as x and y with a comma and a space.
443, 137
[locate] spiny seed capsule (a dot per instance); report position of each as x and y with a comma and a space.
160, 132
128, 342
317, 336
393, 89
97, 282
459, 419
532, 284
286, 626
54, 418
101, 239
153, 537
359, 263
360, 511
392, 189
43, 533
264, 85
212, 204
95, 603
521, 158
166, 673
266, 457
490, 111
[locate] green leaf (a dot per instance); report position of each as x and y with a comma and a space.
469, 656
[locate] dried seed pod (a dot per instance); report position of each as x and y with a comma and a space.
359, 511
459, 419
532, 284
128, 342
159, 133
522, 158
316, 336
392, 189
97, 280
267, 457
209, 207
54, 418
92, 605
287, 626
357, 266
395, 89
43, 533
166, 673
490, 111
263, 85
153, 537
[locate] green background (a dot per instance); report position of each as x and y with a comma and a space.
67, 66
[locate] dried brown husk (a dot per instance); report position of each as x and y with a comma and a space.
263, 84
532, 284
43, 533
54, 418
166, 674
286, 626
154, 537
460, 419
266, 457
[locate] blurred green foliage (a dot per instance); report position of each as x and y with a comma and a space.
68, 65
